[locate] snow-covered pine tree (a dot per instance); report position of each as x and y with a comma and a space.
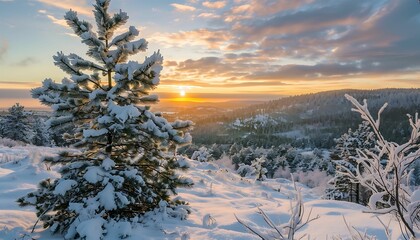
216, 151
273, 160
256, 169
16, 126
234, 149
202, 155
345, 187
126, 165
415, 175
41, 137
260, 171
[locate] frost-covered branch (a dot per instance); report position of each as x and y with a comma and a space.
386, 172
285, 231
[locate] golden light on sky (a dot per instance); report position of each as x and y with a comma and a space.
240, 50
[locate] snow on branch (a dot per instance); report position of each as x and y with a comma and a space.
386, 172
127, 49
79, 27
125, 37
143, 76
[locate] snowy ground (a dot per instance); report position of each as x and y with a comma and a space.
217, 192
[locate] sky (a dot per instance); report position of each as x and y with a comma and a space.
229, 49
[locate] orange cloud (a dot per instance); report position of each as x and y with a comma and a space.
216, 4
182, 7
208, 15
213, 39
57, 21
80, 6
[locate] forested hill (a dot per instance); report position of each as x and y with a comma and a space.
312, 120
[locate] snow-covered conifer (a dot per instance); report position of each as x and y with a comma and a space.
260, 171
41, 136
234, 149
345, 187
126, 164
15, 124
415, 175
273, 160
202, 155
216, 151
245, 170
256, 169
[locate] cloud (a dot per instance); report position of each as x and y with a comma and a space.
14, 93
210, 38
170, 63
183, 8
285, 44
269, 7
215, 4
60, 22
223, 72
25, 62
241, 8
208, 15
4, 47
80, 6
18, 85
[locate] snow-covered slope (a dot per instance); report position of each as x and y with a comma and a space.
218, 194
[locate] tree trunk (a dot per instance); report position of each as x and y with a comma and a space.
357, 193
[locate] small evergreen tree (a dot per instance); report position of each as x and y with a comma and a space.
415, 175
256, 169
343, 156
16, 124
260, 171
202, 155
234, 149
41, 137
126, 164
245, 155
216, 151
273, 160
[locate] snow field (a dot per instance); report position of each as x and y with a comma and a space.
217, 196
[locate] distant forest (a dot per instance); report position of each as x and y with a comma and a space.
310, 120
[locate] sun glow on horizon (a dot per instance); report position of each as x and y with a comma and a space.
183, 90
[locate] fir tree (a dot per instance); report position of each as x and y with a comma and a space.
234, 149
415, 175
202, 155
126, 165
16, 124
216, 151
260, 171
41, 136
256, 169
273, 160
343, 157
